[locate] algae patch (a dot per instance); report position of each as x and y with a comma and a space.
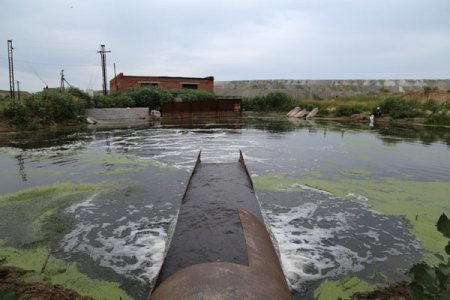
46, 267
420, 202
118, 163
341, 289
23, 213
277, 182
119, 170
356, 173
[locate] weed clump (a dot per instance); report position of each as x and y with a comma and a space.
275, 101
399, 108
46, 107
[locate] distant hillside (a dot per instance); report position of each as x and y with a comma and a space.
4, 94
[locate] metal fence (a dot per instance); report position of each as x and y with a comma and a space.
226, 106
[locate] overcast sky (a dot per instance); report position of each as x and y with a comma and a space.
231, 40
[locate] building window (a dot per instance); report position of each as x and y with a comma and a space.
148, 83
191, 86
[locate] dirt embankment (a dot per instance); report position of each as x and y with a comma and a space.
12, 282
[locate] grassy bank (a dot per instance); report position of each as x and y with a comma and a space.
432, 106
46, 108
53, 107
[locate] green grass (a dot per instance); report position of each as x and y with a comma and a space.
3, 104
341, 289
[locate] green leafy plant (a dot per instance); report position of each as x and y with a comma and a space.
275, 101
399, 108
433, 282
11, 294
47, 107
348, 110
189, 95
439, 119
16, 112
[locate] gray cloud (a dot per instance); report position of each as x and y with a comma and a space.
268, 39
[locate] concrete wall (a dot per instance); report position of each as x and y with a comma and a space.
118, 114
321, 89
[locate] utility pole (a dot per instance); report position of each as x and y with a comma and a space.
61, 84
103, 57
12, 92
115, 78
18, 90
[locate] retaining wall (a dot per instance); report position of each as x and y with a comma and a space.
321, 89
134, 113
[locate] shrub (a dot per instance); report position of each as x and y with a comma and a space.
247, 103
279, 101
431, 105
189, 95
113, 101
150, 96
432, 282
82, 97
16, 112
439, 119
275, 101
124, 101
399, 108
46, 107
348, 110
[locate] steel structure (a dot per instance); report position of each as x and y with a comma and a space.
12, 92
104, 74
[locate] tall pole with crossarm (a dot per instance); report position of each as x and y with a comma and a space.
12, 92
104, 75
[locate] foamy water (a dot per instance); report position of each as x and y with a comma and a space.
180, 147
132, 245
329, 236
319, 235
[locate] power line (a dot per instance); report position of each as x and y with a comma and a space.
37, 74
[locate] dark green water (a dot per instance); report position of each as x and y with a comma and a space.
118, 232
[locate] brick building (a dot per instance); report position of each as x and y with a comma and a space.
122, 82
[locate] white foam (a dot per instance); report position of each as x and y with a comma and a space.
311, 253
133, 248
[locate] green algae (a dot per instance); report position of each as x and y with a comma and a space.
356, 172
41, 154
25, 212
379, 276
44, 171
277, 182
420, 202
121, 162
45, 267
365, 158
24, 216
120, 171
343, 288
63, 188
